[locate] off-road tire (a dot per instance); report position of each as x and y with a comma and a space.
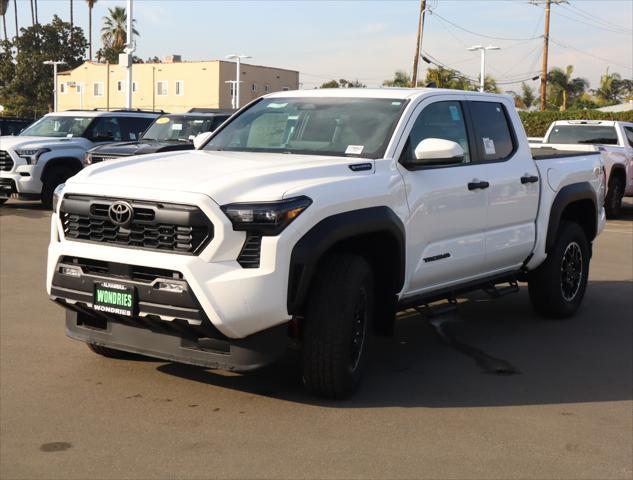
613, 200
110, 352
3, 200
558, 286
338, 321
56, 178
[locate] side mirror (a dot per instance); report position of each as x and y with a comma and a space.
201, 139
438, 151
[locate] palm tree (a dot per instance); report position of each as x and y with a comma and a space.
113, 31
91, 4
4, 6
611, 87
32, 13
15, 9
563, 84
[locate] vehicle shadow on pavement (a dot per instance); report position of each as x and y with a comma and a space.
31, 210
587, 358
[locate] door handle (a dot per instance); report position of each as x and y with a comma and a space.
477, 185
529, 179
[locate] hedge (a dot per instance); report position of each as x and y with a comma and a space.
536, 123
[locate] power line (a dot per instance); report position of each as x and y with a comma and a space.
594, 25
591, 55
590, 16
482, 34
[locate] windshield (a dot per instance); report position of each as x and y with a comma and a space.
58, 126
583, 134
319, 126
178, 128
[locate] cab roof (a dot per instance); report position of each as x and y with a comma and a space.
392, 93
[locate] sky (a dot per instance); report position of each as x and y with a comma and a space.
370, 40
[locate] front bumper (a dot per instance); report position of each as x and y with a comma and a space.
236, 301
243, 355
25, 178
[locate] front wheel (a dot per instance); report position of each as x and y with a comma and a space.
338, 320
613, 200
58, 177
558, 286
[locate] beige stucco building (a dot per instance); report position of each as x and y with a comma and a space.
174, 86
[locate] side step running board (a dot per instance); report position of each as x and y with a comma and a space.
495, 292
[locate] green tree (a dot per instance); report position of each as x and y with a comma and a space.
28, 89
613, 88
527, 95
400, 79
490, 84
563, 88
4, 6
342, 83
91, 4
113, 32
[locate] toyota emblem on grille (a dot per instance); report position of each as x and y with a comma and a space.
121, 213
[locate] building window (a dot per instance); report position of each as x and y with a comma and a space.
120, 86
97, 89
134, 88
267, 88
231, 89
62, 87
161, 88
254, 87
78, 85
285, 89
180, 87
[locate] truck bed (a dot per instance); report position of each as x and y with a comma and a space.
548, 153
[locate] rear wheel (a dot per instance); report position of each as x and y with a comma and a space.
2, 200
558, 286
613, 200
338, 320
110, 352
59, 176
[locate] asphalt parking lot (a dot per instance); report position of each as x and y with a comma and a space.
561, 406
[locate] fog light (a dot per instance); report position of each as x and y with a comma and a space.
70, 271
171, 287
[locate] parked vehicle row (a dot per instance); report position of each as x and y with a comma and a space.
309, 218
47, 153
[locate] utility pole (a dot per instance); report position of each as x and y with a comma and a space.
54, 64
129, 50
414, 75
548, 5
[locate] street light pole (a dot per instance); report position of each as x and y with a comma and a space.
129, 50
482, 49
54, 64
237, 58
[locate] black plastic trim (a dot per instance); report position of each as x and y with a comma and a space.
566, 196
331, 230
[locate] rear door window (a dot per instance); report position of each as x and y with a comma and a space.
493, 131
133, 127
628, 131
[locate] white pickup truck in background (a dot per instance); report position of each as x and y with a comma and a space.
613, 139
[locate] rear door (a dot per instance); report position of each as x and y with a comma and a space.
513, 195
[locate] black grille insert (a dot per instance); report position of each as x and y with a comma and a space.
6, 162
251, 251
156, 226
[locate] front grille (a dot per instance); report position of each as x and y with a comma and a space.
251, 251
154, 226
6, 162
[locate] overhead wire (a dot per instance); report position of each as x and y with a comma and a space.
592, 17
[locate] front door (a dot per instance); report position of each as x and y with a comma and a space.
445, 234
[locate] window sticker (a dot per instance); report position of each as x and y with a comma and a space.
489, 146
177, 126
198, 121
276, 105
454, 113
396, 104
162, 120
69, 135
132, 136
354, 149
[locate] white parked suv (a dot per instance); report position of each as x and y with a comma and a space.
309, 218
52, 149
614, 139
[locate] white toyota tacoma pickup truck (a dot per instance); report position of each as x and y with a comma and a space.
614, 139
309, 219
52, 149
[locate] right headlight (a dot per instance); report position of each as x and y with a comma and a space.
88, 158
57, 197
265, 218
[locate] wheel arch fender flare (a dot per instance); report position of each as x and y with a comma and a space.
72, 163
333, 230
568, 195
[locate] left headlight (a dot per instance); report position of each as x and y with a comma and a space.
31, 155
265, 218
57, 196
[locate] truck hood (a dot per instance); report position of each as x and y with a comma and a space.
20, 142
226, 177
